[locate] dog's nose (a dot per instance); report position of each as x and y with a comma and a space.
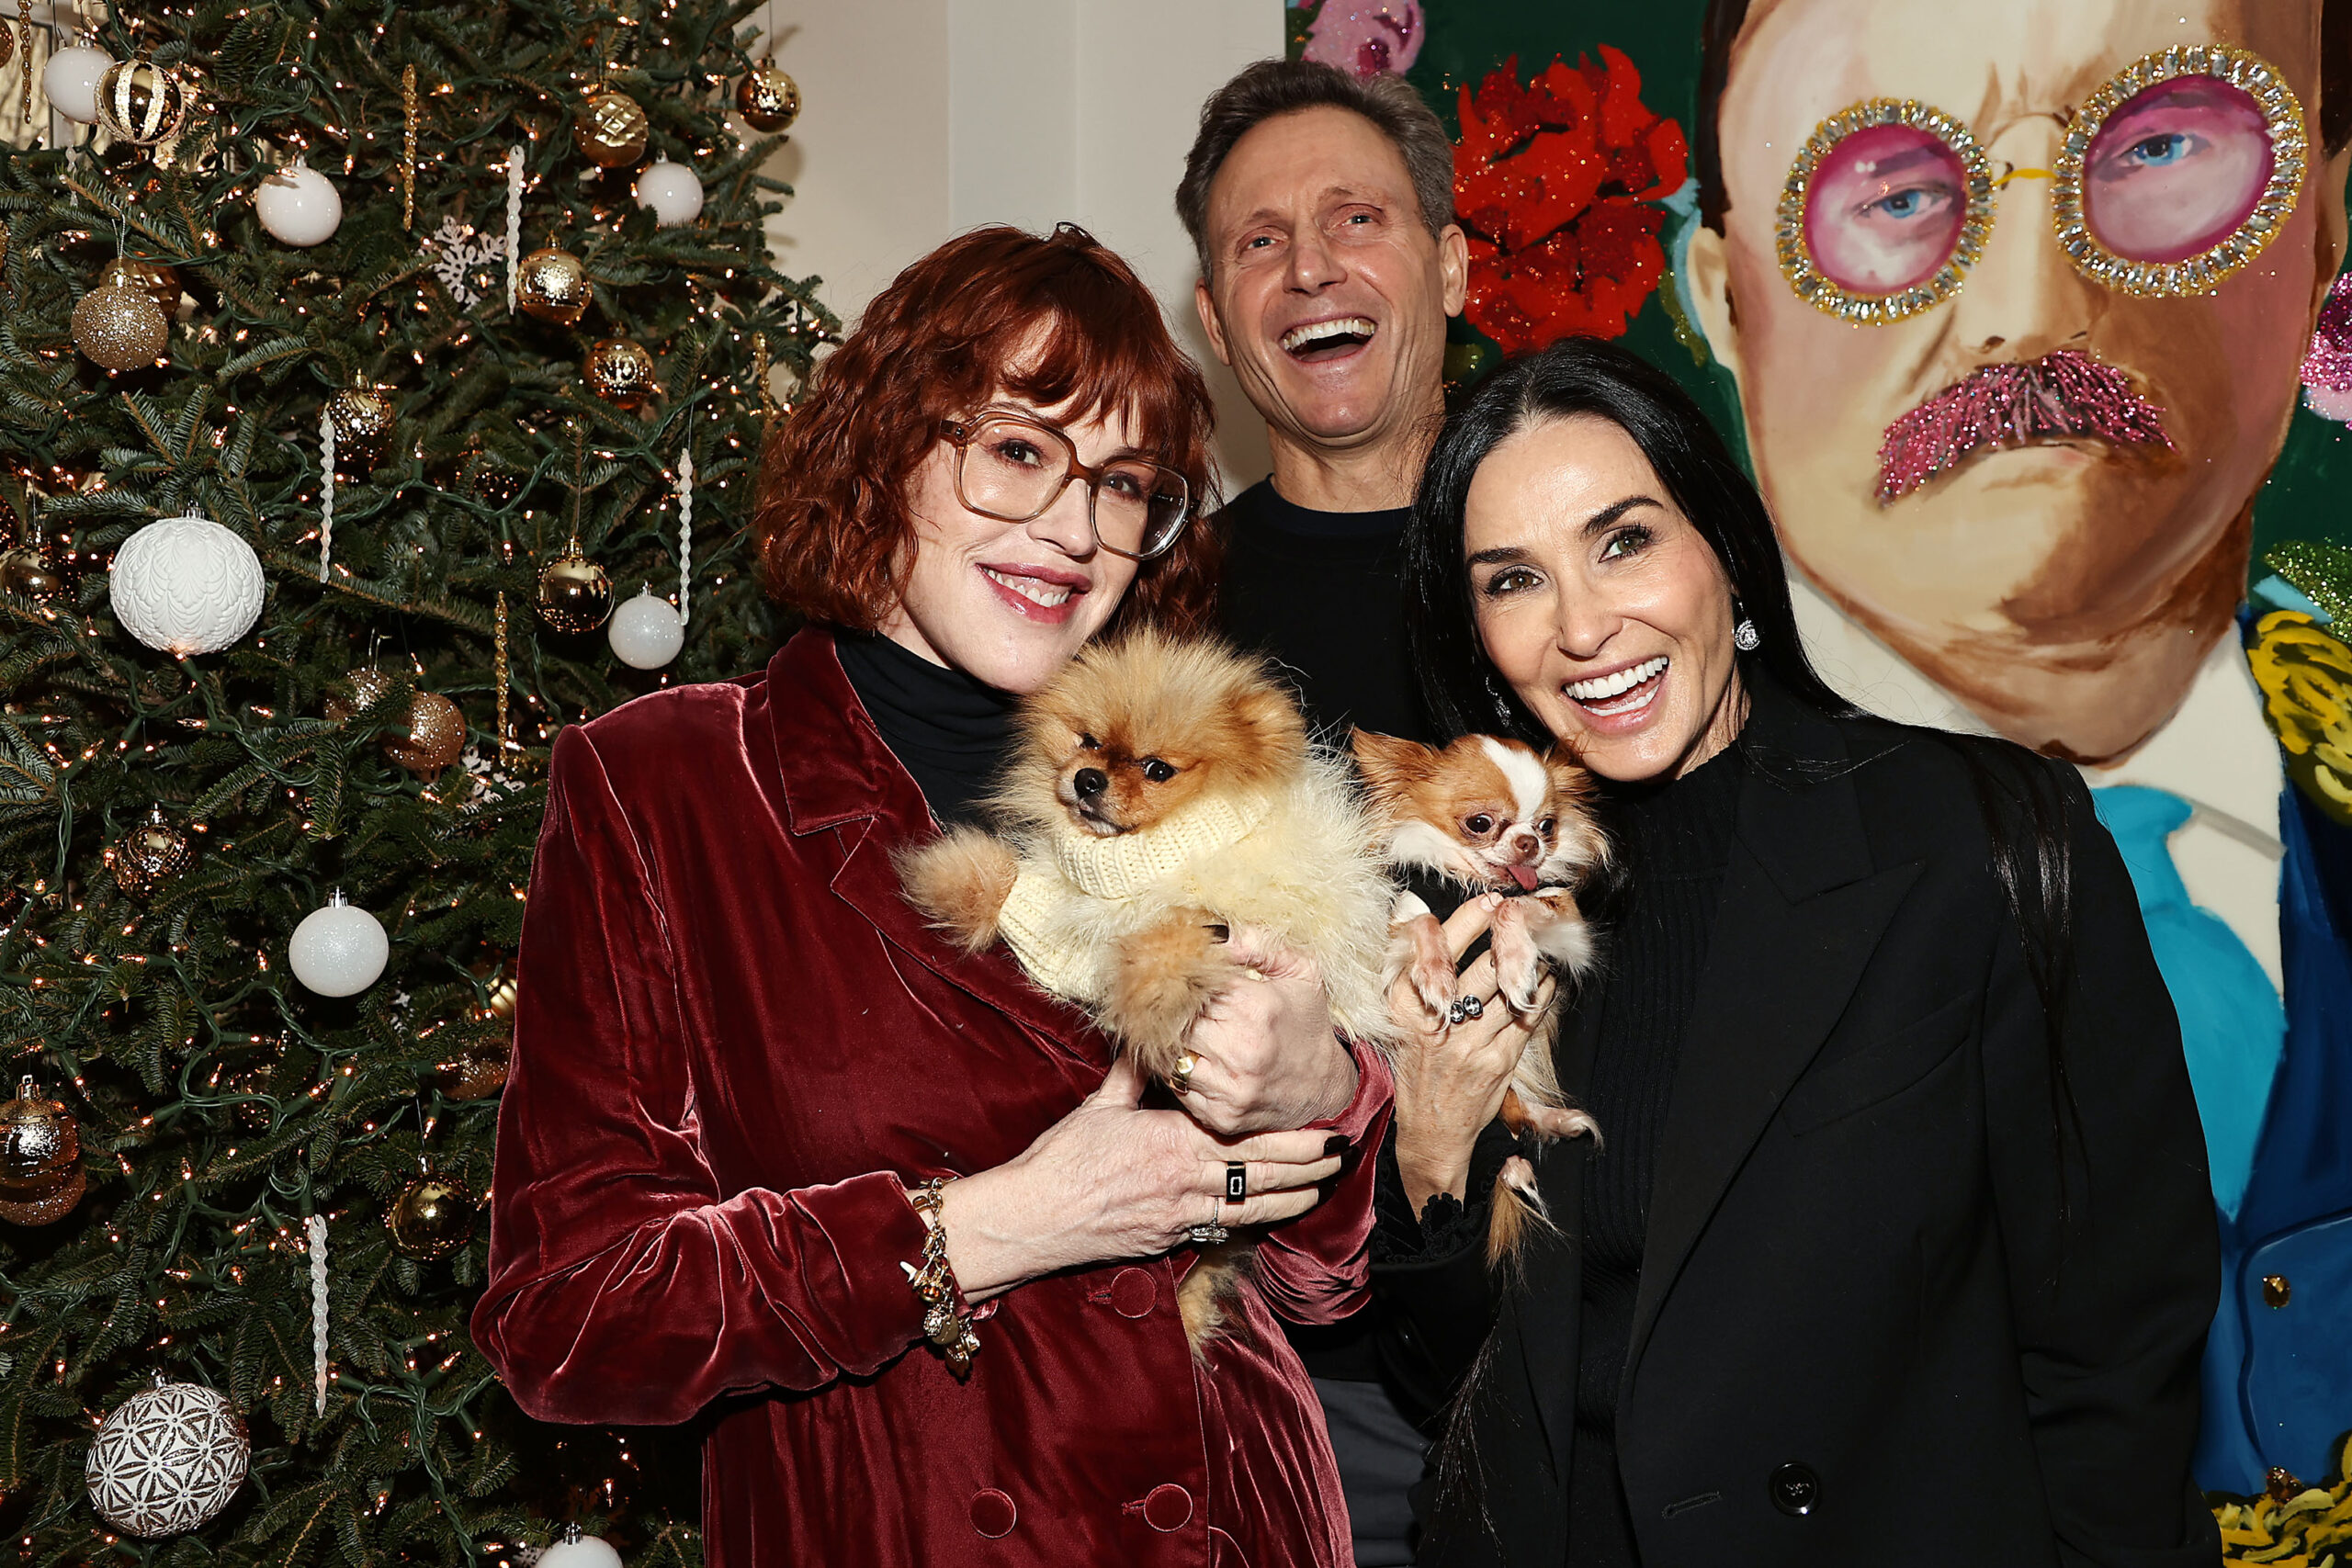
1526, 846
1090, 783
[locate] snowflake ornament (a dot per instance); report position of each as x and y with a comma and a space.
457, 254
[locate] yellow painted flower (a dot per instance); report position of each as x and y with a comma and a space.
2305, 674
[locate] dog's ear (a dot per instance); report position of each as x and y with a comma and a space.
1276, 729
1390, 765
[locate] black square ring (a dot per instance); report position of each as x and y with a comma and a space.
1237, 1182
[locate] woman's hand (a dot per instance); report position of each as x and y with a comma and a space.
1267, 1056
1112, 1180
1451, 1077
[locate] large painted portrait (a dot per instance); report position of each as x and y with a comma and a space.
2030, 316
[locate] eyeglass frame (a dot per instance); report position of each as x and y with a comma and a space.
961, 432
2200, 274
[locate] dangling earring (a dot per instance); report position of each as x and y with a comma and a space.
1500, 698
1744, 635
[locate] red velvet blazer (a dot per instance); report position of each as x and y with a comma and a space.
736, 1046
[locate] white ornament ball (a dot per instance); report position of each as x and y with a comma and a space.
71, 79
167, 1460
299, 206
645, 632
581, 1552
186, 585
338, 950
672, 191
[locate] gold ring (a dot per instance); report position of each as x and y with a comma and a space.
1181, 1080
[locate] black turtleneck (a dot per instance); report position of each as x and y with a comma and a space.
951, 731
1673, 841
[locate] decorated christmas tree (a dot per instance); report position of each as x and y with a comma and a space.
380, 389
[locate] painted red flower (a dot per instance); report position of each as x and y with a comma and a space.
1557, 183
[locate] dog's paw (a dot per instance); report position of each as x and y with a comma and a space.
1166, 976
959, 882
1518, 958
1560, 931
1427, 964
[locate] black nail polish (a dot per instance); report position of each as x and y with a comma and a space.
1334, 1145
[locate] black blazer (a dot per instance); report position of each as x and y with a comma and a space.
1864, 1333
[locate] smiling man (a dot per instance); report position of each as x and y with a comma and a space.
1322, 209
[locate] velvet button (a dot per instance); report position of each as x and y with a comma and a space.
1133, 1292
993, 1513
1168, 1508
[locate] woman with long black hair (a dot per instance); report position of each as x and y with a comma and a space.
1896, 1245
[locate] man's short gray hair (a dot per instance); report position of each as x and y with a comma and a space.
1273, 88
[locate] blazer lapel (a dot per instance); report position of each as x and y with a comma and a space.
1801, 910
839, 775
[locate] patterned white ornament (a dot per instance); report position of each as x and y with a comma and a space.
315, 1229
167, 1460
186, 585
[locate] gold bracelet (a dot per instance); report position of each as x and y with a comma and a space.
934, 1282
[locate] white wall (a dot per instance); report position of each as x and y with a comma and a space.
921, 118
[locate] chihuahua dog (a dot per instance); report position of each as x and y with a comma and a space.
1161, 793
1488, 814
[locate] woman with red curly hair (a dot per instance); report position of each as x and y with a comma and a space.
888, 1221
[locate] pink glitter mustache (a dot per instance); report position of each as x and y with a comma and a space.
2063, 394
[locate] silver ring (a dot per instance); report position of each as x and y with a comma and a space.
1462, 1008
1209, 1235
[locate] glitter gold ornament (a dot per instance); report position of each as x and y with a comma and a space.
574, 594
150, 855
140, 101
30, 574
767, 99
611, 129
436, 735
553, 286
432, 1218
118, 327
51, 1205
436, 729
40, 1143
618, 370
160, 282
363, 429
8, 45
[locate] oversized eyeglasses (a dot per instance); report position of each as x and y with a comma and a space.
1012, 469
2172, 176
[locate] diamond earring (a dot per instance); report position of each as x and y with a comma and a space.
1499, 697
1744, 635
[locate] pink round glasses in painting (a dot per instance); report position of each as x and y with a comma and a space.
2173, 175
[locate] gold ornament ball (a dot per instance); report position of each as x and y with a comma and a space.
160, 282
553, 285
476, 1073
432, 1218
618, 370
767, 99
29, 574
436, 735
118, 327
51, 1205
40, 1142
149, 855
611, 129
575, 596
140, 101
363, 420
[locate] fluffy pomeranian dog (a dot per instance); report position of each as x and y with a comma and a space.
1161, 793
1488, 814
